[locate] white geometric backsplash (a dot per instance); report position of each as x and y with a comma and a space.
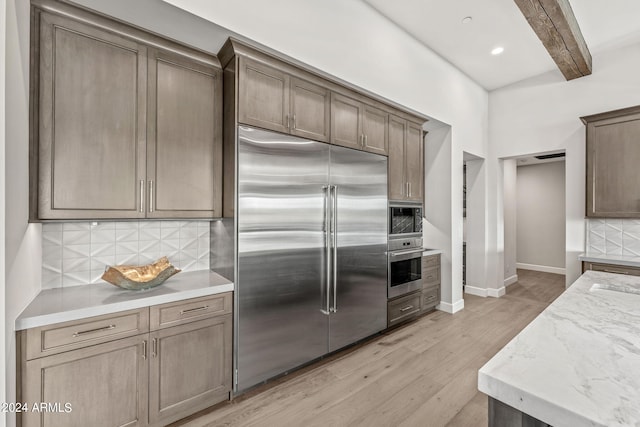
613, 237
76, 253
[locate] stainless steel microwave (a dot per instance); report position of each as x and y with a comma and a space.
405, 220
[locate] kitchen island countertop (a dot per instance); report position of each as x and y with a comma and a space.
78, 302
578, 363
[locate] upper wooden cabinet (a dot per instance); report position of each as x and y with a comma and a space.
272, 99
355, 124
121, 129
406, 164
184, 146
613, 156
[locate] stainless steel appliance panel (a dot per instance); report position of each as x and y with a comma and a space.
405, 271
359, 293
281, 282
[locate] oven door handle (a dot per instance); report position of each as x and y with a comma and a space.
406, 252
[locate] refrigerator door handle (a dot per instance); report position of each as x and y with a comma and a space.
325, 309
334, 218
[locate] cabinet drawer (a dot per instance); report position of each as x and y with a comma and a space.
60, 337
608, 268
403, 308
177, 313
431, 276
430, 261
430, 298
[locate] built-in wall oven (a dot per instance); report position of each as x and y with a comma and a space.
405, 248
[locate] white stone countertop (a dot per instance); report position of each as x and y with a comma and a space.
78, 302
429, 251
630, 261
578, 363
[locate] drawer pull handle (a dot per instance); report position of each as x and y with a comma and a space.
615, 272
193, 310
144, 350
91, 331
409, 307
431, 297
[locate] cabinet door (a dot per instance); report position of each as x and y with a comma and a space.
397, 135
190, 368
184, 155
346, 125
613, 156
263, 96
106, 386
92, 111
375, 125
310, 106
414, 163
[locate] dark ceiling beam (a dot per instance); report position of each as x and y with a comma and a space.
555, 25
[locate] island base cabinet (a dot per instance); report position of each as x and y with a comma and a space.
100, 386
503, 415
190, 368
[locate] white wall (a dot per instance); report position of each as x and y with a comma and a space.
541, 217
3, 62
542, 114
22, 243
510, 223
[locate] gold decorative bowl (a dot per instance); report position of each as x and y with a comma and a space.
141, 277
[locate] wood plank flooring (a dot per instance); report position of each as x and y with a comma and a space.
421, 374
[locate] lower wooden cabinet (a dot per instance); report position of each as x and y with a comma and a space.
103, 385
190, 367
430, 282
150, 379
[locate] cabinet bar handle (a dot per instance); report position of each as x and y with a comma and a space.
366, 140
91, 331
154, 347
409, 307
150, 196
615, 272
294, 121
144, 349
409, 185
192, 310
288, 119
142, 195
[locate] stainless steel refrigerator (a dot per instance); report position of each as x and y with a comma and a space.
312, 241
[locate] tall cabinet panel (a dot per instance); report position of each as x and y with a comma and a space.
92, 108
414, 163
397, 132
184, 168
613, 156
406, 163
346, 125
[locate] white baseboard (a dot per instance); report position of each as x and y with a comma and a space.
510, 280
472, 290
496, 293
451, 308
543, 268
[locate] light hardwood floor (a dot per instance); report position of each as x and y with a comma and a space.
421, 374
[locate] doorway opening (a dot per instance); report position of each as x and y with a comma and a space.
534, 215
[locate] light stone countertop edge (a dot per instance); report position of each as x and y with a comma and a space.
78, 302
429, 251
610, 259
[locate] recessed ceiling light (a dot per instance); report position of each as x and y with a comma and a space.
497, 51
467, 19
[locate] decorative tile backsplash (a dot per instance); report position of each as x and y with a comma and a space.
613, 237
77, 253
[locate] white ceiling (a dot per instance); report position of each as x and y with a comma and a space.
605, 24
438, 24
